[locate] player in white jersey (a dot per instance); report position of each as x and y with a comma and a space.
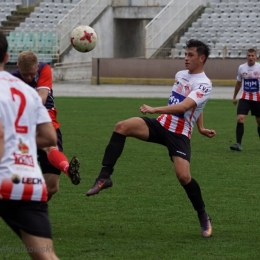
24, 125
173, 128
248, 78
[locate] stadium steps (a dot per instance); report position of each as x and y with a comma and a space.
16, 17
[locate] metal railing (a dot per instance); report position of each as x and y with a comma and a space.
167, 22
216, 53
28, 3
139, 2
67, 65
84, 13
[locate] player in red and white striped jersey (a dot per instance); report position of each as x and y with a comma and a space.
248, 78
24, 125
173, 128
52, 160
195, 86
20, 175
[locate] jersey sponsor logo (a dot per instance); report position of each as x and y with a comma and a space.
23, 147
176, 98
187, 88
199, 94
23, 159
256, 74
251, 85
31, 181
16, 179
203, 89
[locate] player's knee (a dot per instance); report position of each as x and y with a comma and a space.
121, 127
184, 178
52, 189
240, 119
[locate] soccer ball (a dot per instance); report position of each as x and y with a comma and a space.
83, 38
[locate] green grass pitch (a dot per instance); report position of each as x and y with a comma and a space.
147, 215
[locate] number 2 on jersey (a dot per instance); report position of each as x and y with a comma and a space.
19, 128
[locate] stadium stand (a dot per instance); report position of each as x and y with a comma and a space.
37, 31
229, 26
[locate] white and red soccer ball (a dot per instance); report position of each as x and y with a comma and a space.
83, 38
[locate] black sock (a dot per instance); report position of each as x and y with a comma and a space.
258, 130
112, 153
193, 191
239, 132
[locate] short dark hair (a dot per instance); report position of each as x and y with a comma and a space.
202, 48
251, 50
3, 46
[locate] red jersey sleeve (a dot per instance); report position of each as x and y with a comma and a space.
45, 78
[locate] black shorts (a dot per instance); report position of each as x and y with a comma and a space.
45, 165
29, 216
177, 144
244, 106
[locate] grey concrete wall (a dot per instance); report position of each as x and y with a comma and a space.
136, 12
224, 69
129, 40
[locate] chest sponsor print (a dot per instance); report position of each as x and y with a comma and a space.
176, 98
251, 85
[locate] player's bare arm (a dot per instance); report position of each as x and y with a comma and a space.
182, 107
207, 132
1, 140
43, 93
46, 135
236, 90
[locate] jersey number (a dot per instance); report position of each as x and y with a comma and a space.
19, 128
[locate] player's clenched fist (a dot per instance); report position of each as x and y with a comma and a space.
146, 109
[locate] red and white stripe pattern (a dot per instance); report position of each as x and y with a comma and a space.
12, 191
21, 110
255, 96
195, 86
250, 78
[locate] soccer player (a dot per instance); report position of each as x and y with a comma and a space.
173, 128
38, 75
248, 78
24, 123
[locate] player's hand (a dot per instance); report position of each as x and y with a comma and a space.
208, 132
1, 197
147, 109
234, 101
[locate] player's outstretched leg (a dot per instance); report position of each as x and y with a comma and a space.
100, 184
112, 153
60, 161
194, 194
205, 224
73, 170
